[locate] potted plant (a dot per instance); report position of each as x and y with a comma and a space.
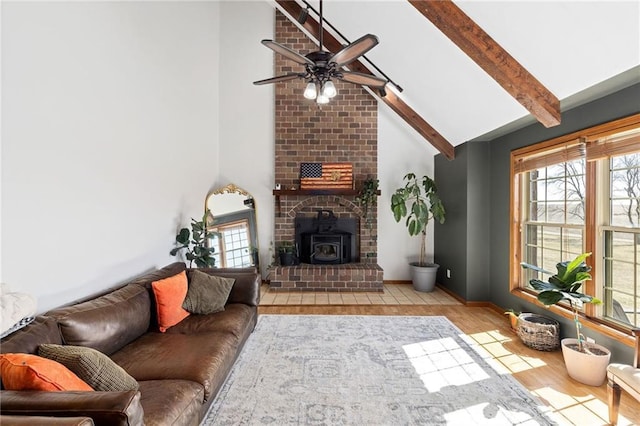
585, 362
422, 196
287, 253
195, 242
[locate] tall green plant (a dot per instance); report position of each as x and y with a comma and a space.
194, 241
422, 196
565, 286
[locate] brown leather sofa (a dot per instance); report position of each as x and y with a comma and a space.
179, 372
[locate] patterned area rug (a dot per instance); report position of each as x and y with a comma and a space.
368, 370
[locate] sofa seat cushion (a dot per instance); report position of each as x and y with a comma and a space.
106, 323
203, 358
237, 319
171, 402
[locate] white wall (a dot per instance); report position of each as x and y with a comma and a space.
400, 150
247, 112
109, 138
115, 116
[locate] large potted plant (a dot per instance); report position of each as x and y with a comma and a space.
195, 242
586, 362
419, 202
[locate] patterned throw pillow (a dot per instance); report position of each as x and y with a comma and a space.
207, 293
169, 294
94, 367
31, 372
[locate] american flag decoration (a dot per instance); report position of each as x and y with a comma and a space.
326, 176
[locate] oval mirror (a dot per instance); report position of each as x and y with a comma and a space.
232, 218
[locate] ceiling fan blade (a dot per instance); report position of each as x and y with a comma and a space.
352, 51
363, 79
286, 77
288, 53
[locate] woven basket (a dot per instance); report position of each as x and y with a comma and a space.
539, 332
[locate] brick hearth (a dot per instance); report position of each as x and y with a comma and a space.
347, 277
345, 130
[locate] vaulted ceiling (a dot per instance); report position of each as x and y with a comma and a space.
471, 68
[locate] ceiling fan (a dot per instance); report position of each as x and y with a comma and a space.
321, 67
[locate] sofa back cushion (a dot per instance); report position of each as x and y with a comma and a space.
26, 340
106, 323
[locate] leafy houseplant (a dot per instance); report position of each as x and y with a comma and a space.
367, 198
425, 204
565, 286
194, 241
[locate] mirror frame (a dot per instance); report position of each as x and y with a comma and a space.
253, 227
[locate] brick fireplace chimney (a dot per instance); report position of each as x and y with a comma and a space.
343, 131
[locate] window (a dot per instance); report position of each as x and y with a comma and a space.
581, 193
232, 244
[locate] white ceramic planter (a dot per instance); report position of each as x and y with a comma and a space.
586, 368
424, 277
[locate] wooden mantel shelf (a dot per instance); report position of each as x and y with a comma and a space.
295, 192
302, 192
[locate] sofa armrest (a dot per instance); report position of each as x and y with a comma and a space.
44, 421
246, 288
105, 408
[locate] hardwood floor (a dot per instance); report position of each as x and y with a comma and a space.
542, 373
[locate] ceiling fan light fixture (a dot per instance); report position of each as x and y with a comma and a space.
310, 92
322, 99
329, 89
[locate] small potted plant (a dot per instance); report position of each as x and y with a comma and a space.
585, 362
287, 253
425, 204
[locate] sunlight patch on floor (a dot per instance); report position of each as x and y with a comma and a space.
493, 415
578, 410
490, 345
442, 362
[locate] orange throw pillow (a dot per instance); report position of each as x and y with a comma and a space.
31, 372
170, 293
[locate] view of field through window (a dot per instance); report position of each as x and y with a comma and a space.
554, 227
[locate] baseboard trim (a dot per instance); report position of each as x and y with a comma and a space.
471, 304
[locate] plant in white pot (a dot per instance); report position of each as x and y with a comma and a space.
585, 362
425, 204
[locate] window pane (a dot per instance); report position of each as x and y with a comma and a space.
622, 276
556, 213
235, 245
625, 190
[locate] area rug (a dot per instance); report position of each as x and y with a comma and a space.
368, 370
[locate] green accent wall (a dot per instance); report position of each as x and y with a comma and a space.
474, 187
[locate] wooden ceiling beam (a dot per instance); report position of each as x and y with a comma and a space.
293, 9
492, 58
